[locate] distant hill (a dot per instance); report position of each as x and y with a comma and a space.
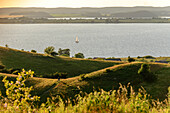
96, 12
136, 14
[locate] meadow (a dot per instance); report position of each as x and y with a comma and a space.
91, 85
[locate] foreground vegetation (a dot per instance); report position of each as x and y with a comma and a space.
122, 100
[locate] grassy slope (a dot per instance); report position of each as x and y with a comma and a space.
42, 64
123, 73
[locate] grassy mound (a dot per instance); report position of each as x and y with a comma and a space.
44, 65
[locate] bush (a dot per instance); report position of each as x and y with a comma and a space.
54, 53
49, 50
146, 73
108, 70
79, 55
131, 59
33, 51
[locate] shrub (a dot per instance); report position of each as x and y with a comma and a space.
130, 59
146, 73
108, 70
33, 51
79, 55
49, 50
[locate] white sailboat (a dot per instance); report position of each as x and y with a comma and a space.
77, 41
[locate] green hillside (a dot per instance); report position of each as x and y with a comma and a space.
44, 65
123, 73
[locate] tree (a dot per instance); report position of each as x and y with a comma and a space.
54, 53
79, 55
130, 59
33, 51
64, 51
49, 50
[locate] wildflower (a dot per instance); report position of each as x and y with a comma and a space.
15, 91
29, 95
17, 82
5, 105
19, 88
20, 77
17, 107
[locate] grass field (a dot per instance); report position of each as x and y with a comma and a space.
43, 64
123, 73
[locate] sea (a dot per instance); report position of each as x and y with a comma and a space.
95, 40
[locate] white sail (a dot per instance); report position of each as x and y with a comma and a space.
77, 41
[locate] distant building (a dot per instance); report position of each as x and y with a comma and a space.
161, 61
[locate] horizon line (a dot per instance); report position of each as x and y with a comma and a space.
90, 7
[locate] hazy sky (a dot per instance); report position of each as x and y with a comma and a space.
82, 3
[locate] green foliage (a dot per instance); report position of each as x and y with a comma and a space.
146, 73
130, 59
79, 55
108, 70
6, 45
56, 75
123, 100
34, 51
54, 53
49, 50
63, 52
18, 95
82, 77
148, 56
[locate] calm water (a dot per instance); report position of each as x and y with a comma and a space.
103, 40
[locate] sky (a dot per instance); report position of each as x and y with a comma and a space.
82, 3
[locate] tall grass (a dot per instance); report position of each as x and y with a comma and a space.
123, 100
